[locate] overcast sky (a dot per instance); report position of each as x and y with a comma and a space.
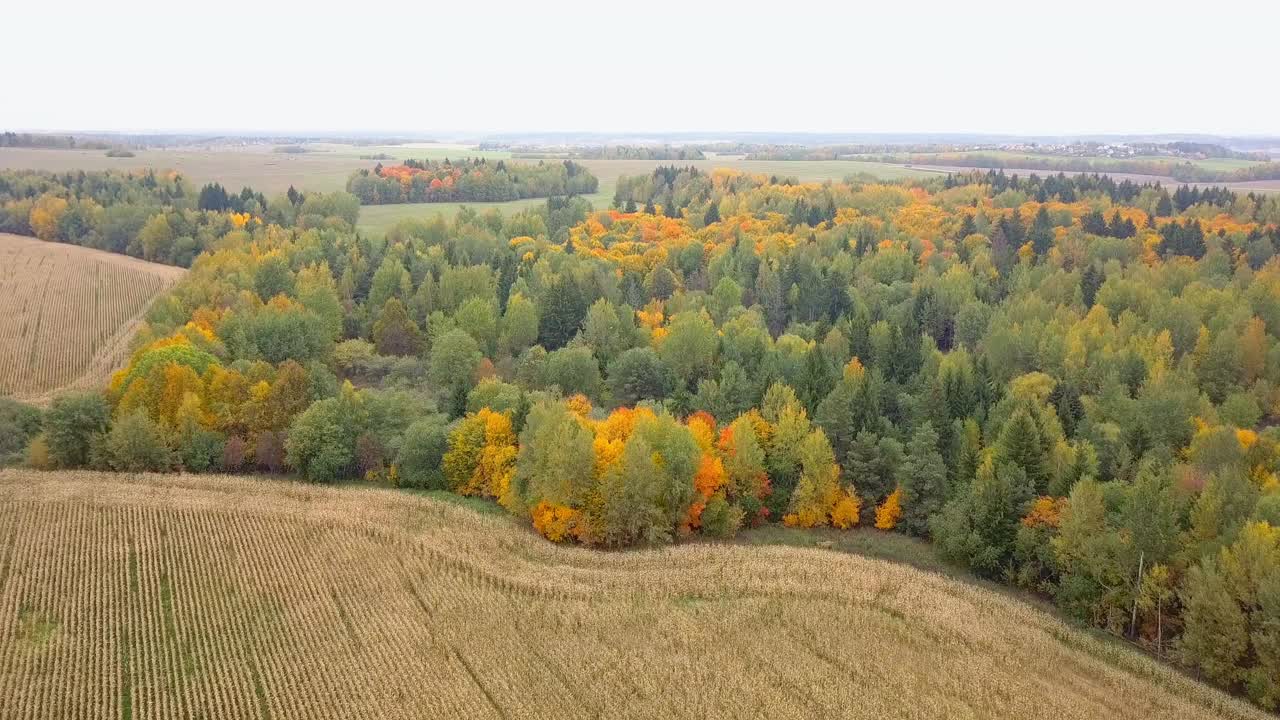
483, 66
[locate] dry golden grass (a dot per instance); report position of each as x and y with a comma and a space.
67, 314
207, 597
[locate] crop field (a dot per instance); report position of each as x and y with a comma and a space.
214, 597
950, 158
67, 313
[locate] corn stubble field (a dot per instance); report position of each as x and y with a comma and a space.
214, 597
67, 313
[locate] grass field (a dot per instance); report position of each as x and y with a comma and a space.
189, 597
67, 313
377, 218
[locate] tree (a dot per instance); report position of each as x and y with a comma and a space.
1090, 557
454, 358
481, 456
818, 492
609, 330
979, 529
922, 477
395, 333
273, 277
574, 370
1041, 233
1090, 282
629, 508
71, 426
712, 215
889, 511
640, 374
322, 439
555, 460
689, 348
135, 444
564, 306
519, 328
19, 423
1215, 633
421, 453
1019, 443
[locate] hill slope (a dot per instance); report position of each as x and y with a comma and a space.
67, 313
179, 596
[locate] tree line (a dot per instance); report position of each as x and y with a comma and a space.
156, 216
469, 180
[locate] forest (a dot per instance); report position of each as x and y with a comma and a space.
158, 217
469, 180
1068, 384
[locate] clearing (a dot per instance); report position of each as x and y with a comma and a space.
67, 314
183, 596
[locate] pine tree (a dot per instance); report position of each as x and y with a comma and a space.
1215, 634
1041, 234
1019, 444
1090, 283
923, 479
866, 470
712, 215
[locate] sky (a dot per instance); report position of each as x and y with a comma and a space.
483, 66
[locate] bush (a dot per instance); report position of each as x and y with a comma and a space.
18, 425
721, 519
201, 452
38, 454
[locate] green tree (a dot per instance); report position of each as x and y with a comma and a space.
519, 325
136, 444
322, 440
556, 460
395, 333
1019, 443
923, 479
574, 370
454, 358
609, 330
421, 451
71, 426
1041, 232
1215, 635
689, 348
639, 374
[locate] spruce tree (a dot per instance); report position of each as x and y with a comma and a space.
923, 479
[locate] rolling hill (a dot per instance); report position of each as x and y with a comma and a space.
217, 597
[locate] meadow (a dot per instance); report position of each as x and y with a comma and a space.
378, 218
137, 596
67, 314
326, 166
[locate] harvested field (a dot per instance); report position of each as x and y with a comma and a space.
216, 597
67, 313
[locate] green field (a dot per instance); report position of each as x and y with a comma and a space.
378, 218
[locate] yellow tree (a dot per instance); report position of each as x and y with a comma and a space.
890, 511
45, 215
481, 455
